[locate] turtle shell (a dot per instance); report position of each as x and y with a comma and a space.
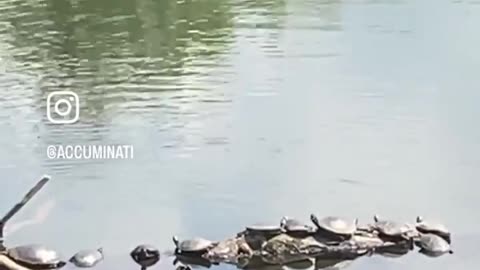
145, 255
196, 244
294, 225
87, 258
433, 227
338, 225
391, 228
36, 257
434, 244
263, 227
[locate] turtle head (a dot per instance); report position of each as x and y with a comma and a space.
175, 240
2, 225
450, 251
283, 221
419, 219
100, 250
376, 218
314, 220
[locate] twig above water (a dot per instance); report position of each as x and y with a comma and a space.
21, 204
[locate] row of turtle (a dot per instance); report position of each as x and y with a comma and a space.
289, 241
331, 236
35, 256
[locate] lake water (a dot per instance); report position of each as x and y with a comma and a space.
242, 111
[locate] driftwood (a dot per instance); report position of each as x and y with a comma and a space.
20, 205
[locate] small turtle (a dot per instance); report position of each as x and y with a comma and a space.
433, 245
145, 255
394, 231
432, 227
292, 225
36, 257
194, 245
335, 225
87, 258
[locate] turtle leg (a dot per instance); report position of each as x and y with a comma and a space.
245, 248
410, 240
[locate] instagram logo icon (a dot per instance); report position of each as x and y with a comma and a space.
63, 107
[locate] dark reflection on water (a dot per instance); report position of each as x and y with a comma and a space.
242, 111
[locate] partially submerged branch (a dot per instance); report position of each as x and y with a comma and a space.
20, 205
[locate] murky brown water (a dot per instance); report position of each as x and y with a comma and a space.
242, 111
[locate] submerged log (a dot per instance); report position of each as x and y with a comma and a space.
29, 195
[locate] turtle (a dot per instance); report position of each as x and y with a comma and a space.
433, 245
35, 256
291, 225
394, 231
194, 245
432, 227
336, 225
87, 258
145, 255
